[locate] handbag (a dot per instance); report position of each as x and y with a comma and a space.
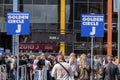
70, 78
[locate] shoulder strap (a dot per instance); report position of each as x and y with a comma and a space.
64, 68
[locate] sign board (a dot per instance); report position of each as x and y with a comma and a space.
38, 46
92, 25
115, 5
18, 23
2, 51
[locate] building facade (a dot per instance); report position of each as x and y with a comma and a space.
45, 26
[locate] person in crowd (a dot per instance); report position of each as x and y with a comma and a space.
35, 62
84, 68
96, 63
12, 67
43, 67
119, 71
22, 61
37, 58
40, 63
99, 75
89, 59
78, 59
28, 62
96, 66
2, 59
51, 59
47, 65
104, 61
61, 70
74, 65
8, 62
31, 57
66, 59
110, 71
116, 60
100, 58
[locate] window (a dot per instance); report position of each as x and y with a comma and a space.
81, 0
80, 8
45, 14
89, 0
1, 10
7, 8
26, 1
77, 26
39, 1
95, 8
53, 1
95, 0
53, 27
8, 1
68, 1
1, 1
37, 27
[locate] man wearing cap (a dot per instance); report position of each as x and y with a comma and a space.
110, 71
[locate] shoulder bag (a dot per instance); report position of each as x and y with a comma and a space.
70, 78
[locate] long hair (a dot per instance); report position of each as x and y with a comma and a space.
83, 61
72, 57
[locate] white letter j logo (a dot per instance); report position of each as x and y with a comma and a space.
93, 31
18, 30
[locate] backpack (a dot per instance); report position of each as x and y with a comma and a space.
84, 73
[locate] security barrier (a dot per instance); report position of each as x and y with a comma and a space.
3, 74
23, 73
41, 74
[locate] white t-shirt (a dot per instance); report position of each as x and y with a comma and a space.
35, 64
60, 73
47, 64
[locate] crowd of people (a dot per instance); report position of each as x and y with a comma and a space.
59, 67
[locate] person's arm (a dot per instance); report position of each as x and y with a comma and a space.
54, 72
103, 73
70, 72
117, 72
49, 63
34, 64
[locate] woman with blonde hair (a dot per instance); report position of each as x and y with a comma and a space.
72, 58
84, 68
73, 63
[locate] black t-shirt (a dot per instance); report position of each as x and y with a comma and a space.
40, 64
2, 61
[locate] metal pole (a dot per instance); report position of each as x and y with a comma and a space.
73, 39
17, 52
92, 57
118, 29
0, 72
16, 39
13, 44
15, 9
5, 69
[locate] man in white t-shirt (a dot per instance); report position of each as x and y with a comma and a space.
58, 72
